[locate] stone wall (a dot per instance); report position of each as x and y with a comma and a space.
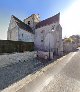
13, 34
68, 47
7, 46
48, 36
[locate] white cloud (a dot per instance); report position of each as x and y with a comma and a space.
70, 19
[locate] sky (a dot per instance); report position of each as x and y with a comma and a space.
69, 13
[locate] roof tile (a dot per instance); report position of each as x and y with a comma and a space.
22, 25
48, 21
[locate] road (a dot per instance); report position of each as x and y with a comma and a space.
61, 76
68, 79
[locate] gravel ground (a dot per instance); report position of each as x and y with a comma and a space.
14, 67
16, 57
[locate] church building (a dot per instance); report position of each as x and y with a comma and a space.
46, 34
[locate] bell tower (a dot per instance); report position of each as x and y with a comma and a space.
32, 20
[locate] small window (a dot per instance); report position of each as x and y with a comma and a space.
28, 22
42, 31
42, 40
22, 35
53, 27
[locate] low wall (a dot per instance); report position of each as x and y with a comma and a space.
69, 47
7, 46
44, 55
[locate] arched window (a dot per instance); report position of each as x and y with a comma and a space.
28, 22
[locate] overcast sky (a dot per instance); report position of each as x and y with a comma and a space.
69, 9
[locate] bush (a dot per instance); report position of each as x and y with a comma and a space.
7, 46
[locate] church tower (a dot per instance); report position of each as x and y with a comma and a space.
32, 20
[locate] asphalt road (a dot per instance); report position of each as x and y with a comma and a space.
62, 76
68, 79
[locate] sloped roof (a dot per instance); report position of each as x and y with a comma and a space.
22, 25
48, 21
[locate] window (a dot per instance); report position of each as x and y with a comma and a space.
28, 22
42, 35
42, 31
41, 40
22, 35
53, 27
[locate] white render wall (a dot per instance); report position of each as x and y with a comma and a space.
12, 23
13, 34
25, 36
38, 34
17, 34
45, 36
54, 38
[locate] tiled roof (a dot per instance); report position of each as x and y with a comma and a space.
22, 25
48, 21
